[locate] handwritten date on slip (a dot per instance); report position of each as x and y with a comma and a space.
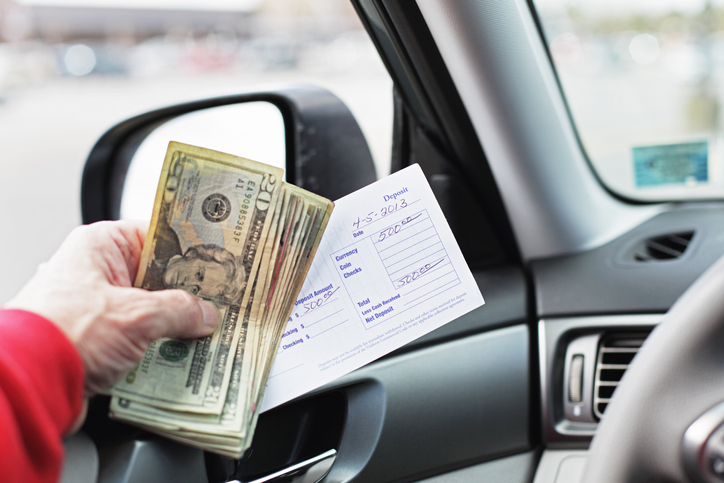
388, 270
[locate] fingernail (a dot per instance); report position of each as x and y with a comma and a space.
210, 313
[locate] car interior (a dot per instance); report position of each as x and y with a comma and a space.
590, 255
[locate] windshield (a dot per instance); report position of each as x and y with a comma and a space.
642, 81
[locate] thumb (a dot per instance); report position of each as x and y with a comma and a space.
178, 314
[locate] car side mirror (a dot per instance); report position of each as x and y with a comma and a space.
306, 130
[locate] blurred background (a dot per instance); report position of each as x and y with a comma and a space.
71, 69
642, 73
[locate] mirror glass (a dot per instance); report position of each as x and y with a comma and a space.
253, 130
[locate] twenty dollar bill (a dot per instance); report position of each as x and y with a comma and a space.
228, 230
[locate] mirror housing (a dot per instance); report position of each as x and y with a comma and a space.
326, 152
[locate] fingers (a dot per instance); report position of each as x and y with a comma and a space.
118, 338
118, 247
175, 313
130, 242
112, 250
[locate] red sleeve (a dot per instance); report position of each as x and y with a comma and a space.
41, 395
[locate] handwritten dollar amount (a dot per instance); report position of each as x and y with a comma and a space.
415, 274
316, 303
394, 229
381, 213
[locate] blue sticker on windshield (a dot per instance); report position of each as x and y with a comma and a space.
671, 164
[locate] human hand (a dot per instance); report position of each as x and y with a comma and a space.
86, 290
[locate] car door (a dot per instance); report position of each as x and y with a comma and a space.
571, 269
461, 396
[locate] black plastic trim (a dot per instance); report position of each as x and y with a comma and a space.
432, 101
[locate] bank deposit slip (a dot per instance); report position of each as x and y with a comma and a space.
387, 271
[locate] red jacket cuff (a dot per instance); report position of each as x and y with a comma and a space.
45, 364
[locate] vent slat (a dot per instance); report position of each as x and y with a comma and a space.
618, 358
614, 356
626, 344
664, 247
681, 240
665, 251
620, 350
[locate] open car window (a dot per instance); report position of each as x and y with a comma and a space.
642, 83
71, 69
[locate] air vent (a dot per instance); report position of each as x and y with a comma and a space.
665, 247
614, 356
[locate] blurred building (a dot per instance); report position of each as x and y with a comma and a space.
56, 21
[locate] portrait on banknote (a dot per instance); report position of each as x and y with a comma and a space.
204, 269
208, 271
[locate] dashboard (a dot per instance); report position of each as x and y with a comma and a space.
596, 308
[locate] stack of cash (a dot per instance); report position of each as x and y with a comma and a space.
228, 230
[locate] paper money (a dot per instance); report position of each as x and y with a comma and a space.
228, 230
